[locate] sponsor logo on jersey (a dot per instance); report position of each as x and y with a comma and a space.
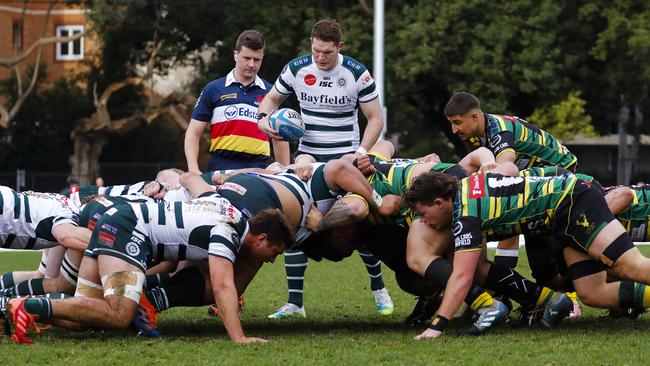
259, 99
198, 99
109, 228
353, 64
233, 187
310, 79
366, 80
325, 99
476, 189
582, 220
494, 141
106, 238
341, 82
234, 111
234, 238
326, 84
111, 211
463, 240
228, 96
457, 228
494, 182
509, 118
132, 249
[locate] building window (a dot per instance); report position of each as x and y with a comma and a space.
73, 50
18, 35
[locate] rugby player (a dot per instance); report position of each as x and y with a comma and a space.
330, 88
129, 238
492, 205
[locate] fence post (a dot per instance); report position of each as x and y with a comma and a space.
20, 179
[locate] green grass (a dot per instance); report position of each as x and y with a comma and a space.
342, 327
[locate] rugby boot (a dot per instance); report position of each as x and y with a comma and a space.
424, 310
384, 303
19, 320
488, 317
557, 309
146, 319
289, 310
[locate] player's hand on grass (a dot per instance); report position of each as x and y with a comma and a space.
264, 125
428, 334
364, 164
245, 340
390, 205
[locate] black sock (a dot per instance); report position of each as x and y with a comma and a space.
185, 288
508, 261
510, 283
158, 279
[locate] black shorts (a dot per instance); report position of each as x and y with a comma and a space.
581, 216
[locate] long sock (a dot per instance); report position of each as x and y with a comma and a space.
510, 283
295, 265
40, 306
373, 266
57, 296
30, 287
477, 298
185, 288
506, 257
633, 295
7, 280
158, 279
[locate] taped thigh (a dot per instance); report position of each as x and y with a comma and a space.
125, 283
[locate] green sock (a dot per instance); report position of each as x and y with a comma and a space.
30, 287
40, 306
7, 280
57, 296
295, 265
373, 266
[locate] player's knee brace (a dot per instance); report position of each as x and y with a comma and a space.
616, 249
584, 268
90, 289
438, 272
125, 283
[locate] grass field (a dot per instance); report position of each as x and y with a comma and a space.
342, 327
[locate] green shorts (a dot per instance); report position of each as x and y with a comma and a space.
122, 236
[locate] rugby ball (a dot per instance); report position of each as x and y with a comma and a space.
287, 123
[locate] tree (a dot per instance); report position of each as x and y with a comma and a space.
21, 93
565, 119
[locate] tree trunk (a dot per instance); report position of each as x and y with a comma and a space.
87, 150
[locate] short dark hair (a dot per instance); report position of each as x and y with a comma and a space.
274, 224
429, 186
460, 103
327, 30
250, 39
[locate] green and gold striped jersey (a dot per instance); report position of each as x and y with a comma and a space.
554, 170
531, 145
494, 206
636, 218
394, 177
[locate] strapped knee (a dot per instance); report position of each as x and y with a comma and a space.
90, 289
584, 268
616, 249
125, 283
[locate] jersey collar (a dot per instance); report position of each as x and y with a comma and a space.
230, 79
